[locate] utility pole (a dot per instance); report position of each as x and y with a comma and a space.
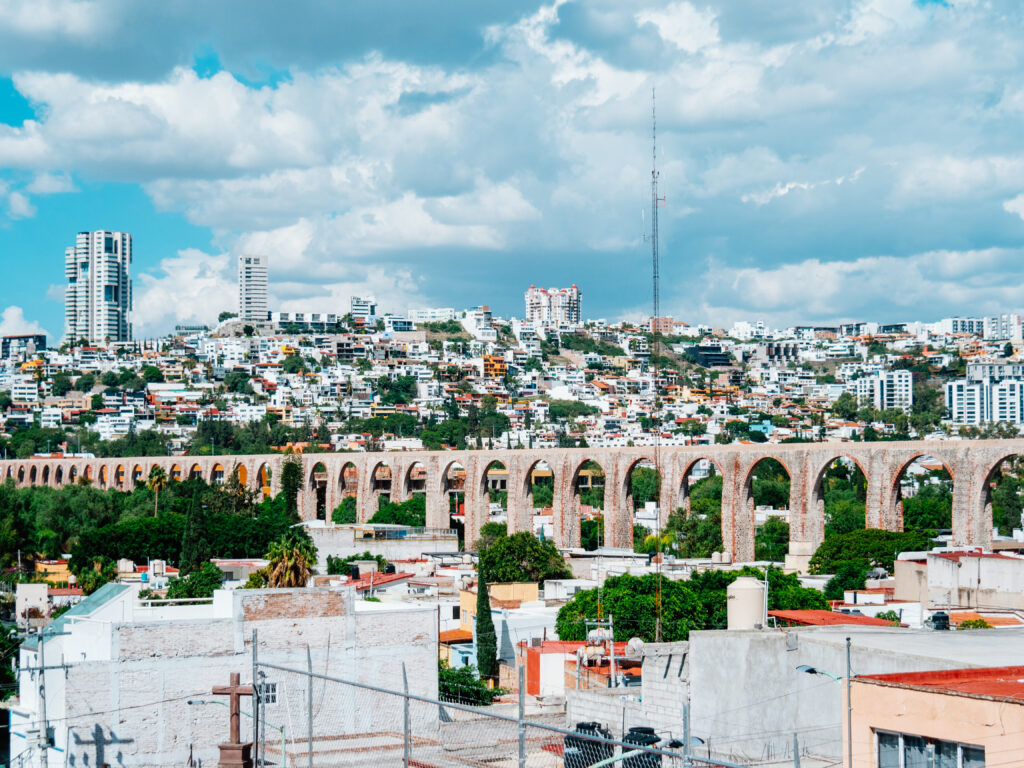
44, 728
849, 706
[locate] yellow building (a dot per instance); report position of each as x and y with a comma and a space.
501, 595
53, 572
495, 367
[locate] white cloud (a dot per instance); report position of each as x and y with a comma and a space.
13, 323
1016, 206
192, 287
51, 184
682, 25
781, 190
19, 206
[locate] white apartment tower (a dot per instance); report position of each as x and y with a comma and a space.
252, 288
98, 297
553, 306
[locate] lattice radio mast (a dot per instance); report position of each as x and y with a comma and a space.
656, 351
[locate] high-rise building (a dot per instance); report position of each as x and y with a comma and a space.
553, 306
252, 288
363, 309
98, 297
885, 390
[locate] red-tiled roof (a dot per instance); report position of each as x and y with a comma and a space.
455, 636
820, 618
66, 591
997, 682
957, 556
1005, 620
378, 579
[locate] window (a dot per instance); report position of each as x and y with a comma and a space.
455, 612
268, 692
901, 750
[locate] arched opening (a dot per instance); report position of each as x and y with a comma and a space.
318, 490
196, 473
21, 475
380, 484
1003, 495
539, 493
416, 480
103, 476
119, 477
766, 497
32, 475
494, 488
137, 476
588, 503
922, 497
46, 475
176, 473
348, 489
643, 493
840, 496
241, 475
73, 475
695, 526
87, 477
217, 473
263, 480
453, 486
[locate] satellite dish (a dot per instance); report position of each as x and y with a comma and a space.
634, 648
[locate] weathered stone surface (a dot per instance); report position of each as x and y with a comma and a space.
970, 463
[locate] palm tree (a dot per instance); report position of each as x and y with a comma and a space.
291, 560
158, 480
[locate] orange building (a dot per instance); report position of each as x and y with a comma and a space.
495, 367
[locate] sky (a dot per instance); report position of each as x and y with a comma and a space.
821, 160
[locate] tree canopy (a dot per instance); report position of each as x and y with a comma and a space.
521, 557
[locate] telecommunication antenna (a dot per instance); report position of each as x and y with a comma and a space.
656, 202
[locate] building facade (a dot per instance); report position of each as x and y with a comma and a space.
885, 390
252, 288
364, 309
991, 392
553, 306
98, 296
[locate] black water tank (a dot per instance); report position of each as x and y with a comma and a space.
940, 620
390, 568
353, 572
581, 752
642, 737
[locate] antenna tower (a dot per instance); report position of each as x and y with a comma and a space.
656, 351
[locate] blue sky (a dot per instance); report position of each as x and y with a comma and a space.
822, 160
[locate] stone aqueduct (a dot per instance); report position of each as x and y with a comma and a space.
971, 464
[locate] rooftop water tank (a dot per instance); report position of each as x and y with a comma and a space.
744, 600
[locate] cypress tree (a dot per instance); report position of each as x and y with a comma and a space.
486, 639
195, 550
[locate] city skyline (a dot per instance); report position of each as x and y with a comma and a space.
803, 185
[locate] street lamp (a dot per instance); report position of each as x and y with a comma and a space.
278, 728
849, 701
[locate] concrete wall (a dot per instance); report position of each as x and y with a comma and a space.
971, 464
977, 582
132, 710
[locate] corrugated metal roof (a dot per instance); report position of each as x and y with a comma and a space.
100, 597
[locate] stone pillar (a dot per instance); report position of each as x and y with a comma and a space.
737, 508
476, 499
399, 481
366, 496
438, 513
806, 510
618, 512
882, 470
668, 498
519, 508
565, 516
972, 502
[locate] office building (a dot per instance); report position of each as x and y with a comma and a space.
991, 392
885, 390
553, 306
364, 310
98, 297
1006, 327
252, 288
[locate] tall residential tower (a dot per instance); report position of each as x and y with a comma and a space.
252, 288
98, 297
553, 306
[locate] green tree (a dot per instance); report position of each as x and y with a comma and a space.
195, 550
345, 512
152, 375
486, 637
291, 483
771, 540
491, 532
201, 582
849, 574
889, 616
337, 566
462, 686
870, 547
60, 385
522, 558
411, 512
291, 560
157, 481
845, 407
